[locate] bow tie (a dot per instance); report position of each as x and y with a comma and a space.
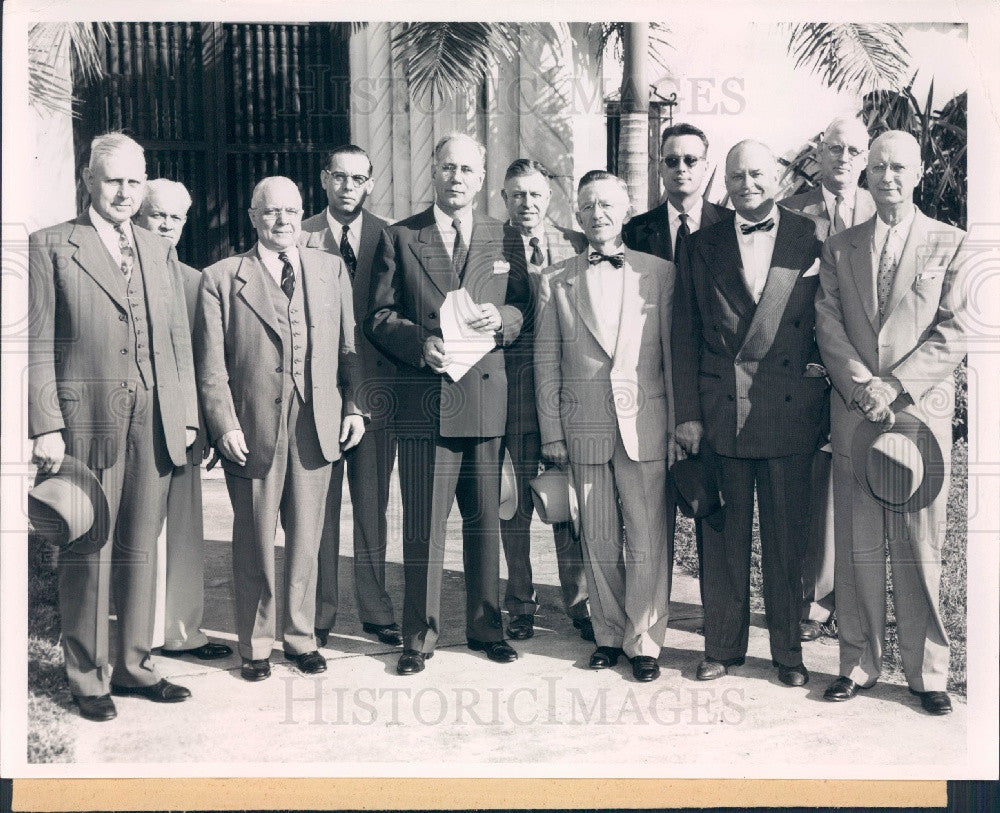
764, 225
617, 260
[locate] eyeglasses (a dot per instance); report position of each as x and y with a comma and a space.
272, 214
674, 161
837, 150
340, 178
452, 170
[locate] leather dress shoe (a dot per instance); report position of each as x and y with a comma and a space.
205, 652
645, 668
412, 661
387, 633
934, 702
586, 628
312, 663
810, 630
521, 627
322, 635
254, 670
793, 675
97, 707
711, 669
162, 692
497, 651
605, 657
843, 688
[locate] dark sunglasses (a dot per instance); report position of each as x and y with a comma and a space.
674, 161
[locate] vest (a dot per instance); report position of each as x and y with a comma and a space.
135, 315
293, 324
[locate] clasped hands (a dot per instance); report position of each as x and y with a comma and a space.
488, 320
875, 397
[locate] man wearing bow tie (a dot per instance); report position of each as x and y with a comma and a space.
602, 378
750, 391
345, 228
278, 374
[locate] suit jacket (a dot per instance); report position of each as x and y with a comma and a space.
739, 367
812, 204
238, 350
78, 327
922, 338
650, 232
587, 393
377, 370
411, 275
561, 245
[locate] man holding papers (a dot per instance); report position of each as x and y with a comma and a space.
449, 426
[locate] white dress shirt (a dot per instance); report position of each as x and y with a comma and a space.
674, 219
897, 234
543, 244
109, 235
846, 206
274, 265
353, 230
446, 228
756, 250
606, 286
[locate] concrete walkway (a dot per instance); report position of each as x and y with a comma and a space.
546, 711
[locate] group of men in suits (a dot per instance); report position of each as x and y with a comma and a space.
692, 331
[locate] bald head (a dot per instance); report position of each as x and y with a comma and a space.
894, 171
842, 152
751, 178
276, 212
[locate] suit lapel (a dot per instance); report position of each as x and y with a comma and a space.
93, 257
315, 279
657, 229
906, 268
579, 294
862, 270
864, 206
726, 265
370, 234
484, 233
635, 292
253, 291
434, 258
145, 252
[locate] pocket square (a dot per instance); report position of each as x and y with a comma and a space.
501, 267
813, 269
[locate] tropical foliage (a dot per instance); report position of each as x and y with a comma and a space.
49, 88
851, 56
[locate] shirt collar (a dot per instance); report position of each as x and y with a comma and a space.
694, 214
883, 229
445, 221
106, 229
538, 232
273, 262
337, 228
773, 214
830, 199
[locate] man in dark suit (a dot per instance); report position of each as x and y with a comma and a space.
111, 382
164, 211
540, 244
449, 431
278, 374
348, 230
750, 392
835, 204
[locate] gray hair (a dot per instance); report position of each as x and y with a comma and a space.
158, 185
258, 190
845, 124
459, 136
109, 144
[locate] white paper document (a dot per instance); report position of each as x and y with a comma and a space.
464, 345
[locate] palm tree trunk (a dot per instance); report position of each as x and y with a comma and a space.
633, 145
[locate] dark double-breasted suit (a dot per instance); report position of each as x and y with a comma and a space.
449, 432
111, 369
740, 369
650, 232
369, 464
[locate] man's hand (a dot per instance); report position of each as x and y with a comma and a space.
434, 355
48, 451
688, 436
556, 452
234, 446
352, 429
488, 321
875, 396
190, 435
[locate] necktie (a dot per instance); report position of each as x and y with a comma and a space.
838, 215
460, 251
287, 275
683, 232
125, 248
537, 257
886, 271
347, 253
617, 260
764, 225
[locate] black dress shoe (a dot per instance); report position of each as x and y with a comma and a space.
97, 707
412, 661
605, 657
498, 651
162, 692
934, 702
387, 633
793, 675
843, 688
645, 668
810, 630
521, 627
586, 628
322, 635
312, 663
205, 652
254, 670
711, 669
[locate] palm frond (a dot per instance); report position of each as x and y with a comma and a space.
612, 36
344, 30
49, 87
861, 57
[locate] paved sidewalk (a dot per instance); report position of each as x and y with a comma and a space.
546, 709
